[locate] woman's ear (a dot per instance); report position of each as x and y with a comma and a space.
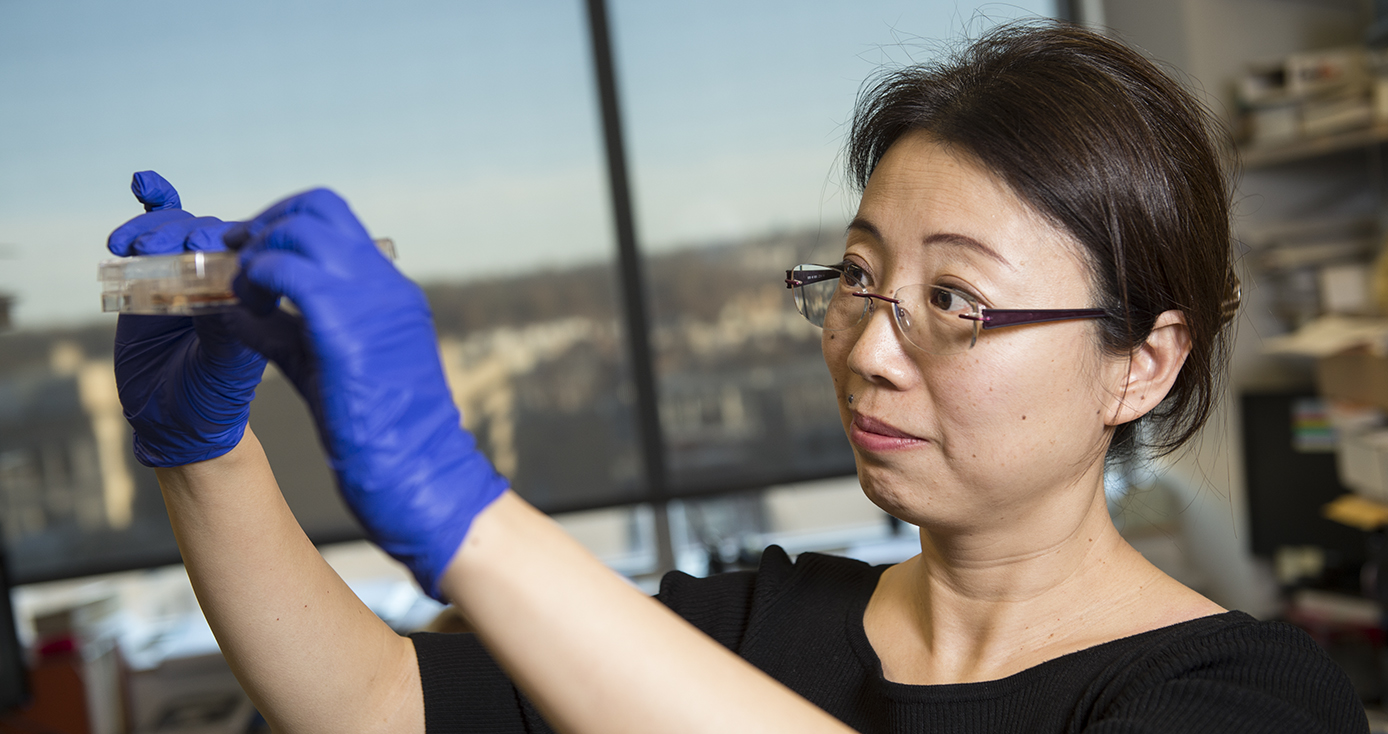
1151, 369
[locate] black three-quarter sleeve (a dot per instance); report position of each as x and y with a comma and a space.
465, 690
718, 605
1248, 676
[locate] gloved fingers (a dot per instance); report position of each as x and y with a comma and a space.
135, 330
254, 299
165, 228
320, 204
143, 345
279, 273
222, 348
122, 240
154, 191
318, 241
197, 233
208, 237
279, 337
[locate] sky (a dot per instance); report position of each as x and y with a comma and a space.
466, 131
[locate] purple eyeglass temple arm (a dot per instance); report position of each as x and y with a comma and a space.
992, 318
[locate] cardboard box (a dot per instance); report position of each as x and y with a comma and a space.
1362, 463
1315, 72
1357, 376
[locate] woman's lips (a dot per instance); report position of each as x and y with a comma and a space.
871, 434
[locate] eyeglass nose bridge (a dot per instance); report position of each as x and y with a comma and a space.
900, 325
878, 296
895, 303
870, 297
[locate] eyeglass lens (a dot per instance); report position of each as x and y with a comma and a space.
927, 315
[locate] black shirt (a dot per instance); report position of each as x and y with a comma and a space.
802, 623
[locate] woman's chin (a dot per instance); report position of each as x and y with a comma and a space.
889, 498
915, 503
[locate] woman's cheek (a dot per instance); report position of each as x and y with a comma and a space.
994, 403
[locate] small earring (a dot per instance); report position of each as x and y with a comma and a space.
850, 399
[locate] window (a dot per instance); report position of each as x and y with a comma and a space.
470, 134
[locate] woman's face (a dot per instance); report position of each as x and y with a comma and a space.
1007, 428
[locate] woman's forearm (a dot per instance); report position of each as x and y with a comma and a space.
307, 651
597, 655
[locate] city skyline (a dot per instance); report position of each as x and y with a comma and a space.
467, 132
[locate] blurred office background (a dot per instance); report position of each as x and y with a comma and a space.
474, 135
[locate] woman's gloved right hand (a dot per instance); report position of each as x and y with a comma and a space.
364, 355
186, 383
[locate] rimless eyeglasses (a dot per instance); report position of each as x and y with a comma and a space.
934, 318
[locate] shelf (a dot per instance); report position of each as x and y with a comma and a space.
1272, 155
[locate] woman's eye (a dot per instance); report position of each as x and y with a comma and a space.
949, 301
853, 275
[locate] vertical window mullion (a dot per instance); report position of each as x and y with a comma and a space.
632, 283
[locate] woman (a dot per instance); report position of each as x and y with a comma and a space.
1048, 181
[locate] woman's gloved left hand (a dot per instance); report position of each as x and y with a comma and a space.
186, 383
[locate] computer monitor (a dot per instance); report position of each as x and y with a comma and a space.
1290, 473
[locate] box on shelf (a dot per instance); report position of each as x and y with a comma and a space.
1356, 379
1362, 463
1346, 288
1307, 74
1356, 375
1312, 95
1314, 72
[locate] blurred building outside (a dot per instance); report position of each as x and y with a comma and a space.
745, 401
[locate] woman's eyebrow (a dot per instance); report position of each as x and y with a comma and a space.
970, 243
862, 224
946, 238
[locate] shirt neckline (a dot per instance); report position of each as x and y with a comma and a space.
867, 656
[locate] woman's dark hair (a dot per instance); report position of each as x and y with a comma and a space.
1113, 151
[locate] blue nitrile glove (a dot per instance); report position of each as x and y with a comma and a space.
364, 356
165, 229
186, 383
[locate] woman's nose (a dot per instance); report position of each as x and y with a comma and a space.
878, 353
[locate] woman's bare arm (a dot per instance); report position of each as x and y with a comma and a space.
595, 654
311, 656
